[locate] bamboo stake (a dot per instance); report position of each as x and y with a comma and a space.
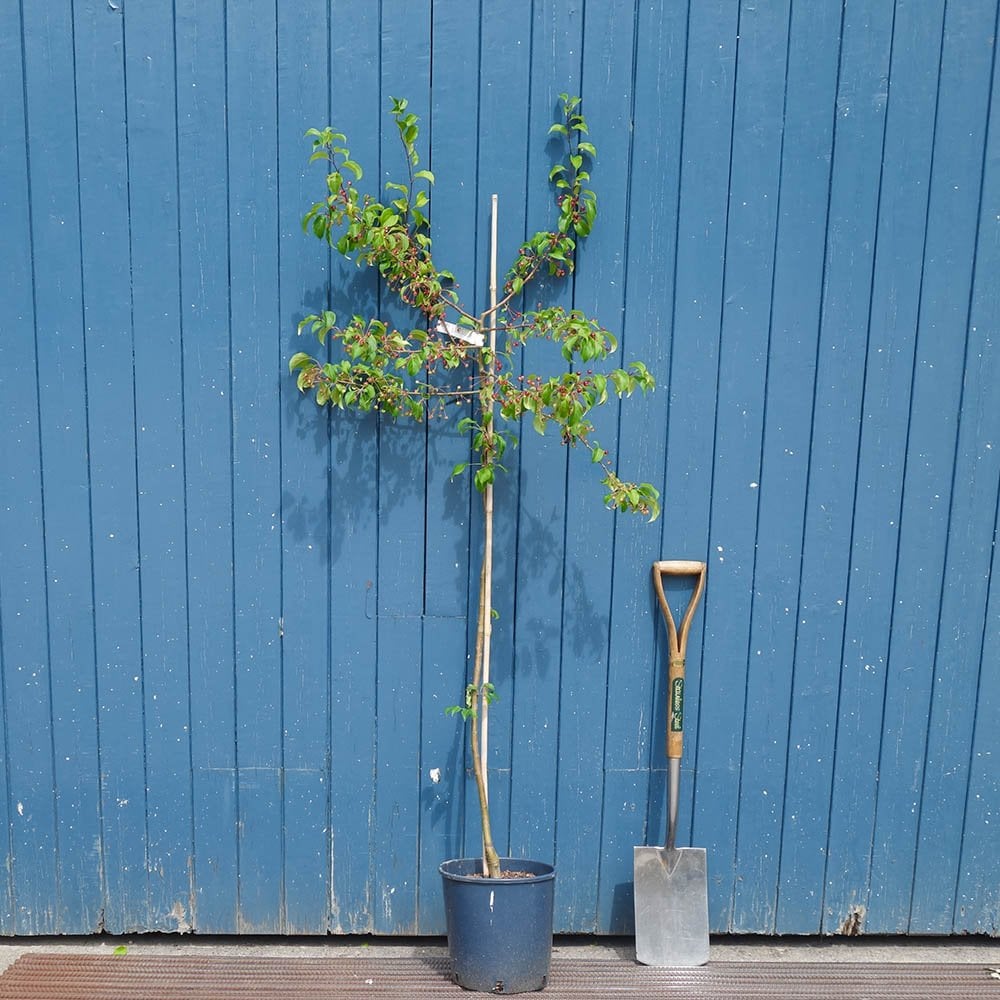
487, 610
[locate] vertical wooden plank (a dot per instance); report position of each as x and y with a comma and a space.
29, 846
794, 319
305, 521
304, 456
648, 294
442, 775
540, 574
758, 115
977, 904
606, 86
883, 657
355, 110
704, 193
106, 268
204, 276
66, 479
404, 66
954, 553
856, 152
106, 263
457, 205
258, 365
504, 88
160, 459
62, 414
20, 522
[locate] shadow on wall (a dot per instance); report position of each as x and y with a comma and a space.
376, 465
622, 919
585, 626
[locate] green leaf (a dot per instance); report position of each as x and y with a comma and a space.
597, 455
300, 360
120, 950
459, 469
425, 175
484, 477
559, 128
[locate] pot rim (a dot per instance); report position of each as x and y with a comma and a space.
546, 875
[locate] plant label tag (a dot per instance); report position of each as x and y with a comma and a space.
457, 332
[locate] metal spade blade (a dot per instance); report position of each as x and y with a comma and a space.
671, 906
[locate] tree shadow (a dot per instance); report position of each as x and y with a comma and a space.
622, 917
374, 463
584, 625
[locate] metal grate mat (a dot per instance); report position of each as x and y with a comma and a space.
66, 976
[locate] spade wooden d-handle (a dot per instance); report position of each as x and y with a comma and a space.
678, 644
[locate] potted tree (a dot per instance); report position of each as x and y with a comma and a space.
499, 911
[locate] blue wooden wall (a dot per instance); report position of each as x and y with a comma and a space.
229, 626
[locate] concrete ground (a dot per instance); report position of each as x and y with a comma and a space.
969, 950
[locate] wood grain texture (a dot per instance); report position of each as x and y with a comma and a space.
230, 622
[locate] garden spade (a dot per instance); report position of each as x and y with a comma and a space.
671, 883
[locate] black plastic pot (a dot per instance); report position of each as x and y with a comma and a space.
499, 930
